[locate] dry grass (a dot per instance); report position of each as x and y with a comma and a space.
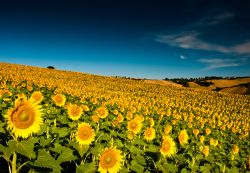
163, 82
229, 86
235, 90
222, 83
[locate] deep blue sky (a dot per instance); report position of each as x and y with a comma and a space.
136, 38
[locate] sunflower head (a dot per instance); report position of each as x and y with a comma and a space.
59, 99
130, 135
102, 112
149, 134
129, 115
139, 118
151, 122
110, 160
168, 147
24, 118
85, 134
205, 151
235, 149
196, 132
120, 118
168, 129
183, 137
74, 111
134, 126
208, 131
95, 118
202, 138
37, 96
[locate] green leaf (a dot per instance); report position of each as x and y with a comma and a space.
140, 159
2, 130
104, 137
152, 148
119, 143
86, 168
62, 119
82, 149
57, 148
124, 170
62, 132
162, 167
136, 167
96, 150
135, 150
45, 141
45, 160
66, 155
6, 151
25, 148
172, 168
184, 170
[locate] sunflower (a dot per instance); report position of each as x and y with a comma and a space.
149, 134
120, 118
196, 132
139, 118
130, 135
168, 147
202, 138
85, 134
59, 99
74, 111
183, 137
102, 112
95, 118
110, 160
151, 122
208, 131
235, 149
85, 108
24, 118
129, 115
205, 151
37, 96
168, 129
134, 126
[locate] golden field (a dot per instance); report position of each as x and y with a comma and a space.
61, 121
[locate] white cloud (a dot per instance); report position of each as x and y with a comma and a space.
220, 63
243, 48
183, 57
191, 40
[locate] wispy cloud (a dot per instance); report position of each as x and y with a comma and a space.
191, 40
183, 57
220, 63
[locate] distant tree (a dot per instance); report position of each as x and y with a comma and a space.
51, 67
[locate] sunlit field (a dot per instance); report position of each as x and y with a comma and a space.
59, 121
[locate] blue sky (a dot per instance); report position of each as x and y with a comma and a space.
146, 39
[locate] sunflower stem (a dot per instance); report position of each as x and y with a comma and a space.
13, 163
21, 166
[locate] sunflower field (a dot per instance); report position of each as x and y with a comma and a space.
60, 121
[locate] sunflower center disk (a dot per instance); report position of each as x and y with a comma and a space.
85, 133
166, 146
24, 117
108, 159
133, 126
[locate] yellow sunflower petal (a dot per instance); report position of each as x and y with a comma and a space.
24, 118
110, 160
85, 135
